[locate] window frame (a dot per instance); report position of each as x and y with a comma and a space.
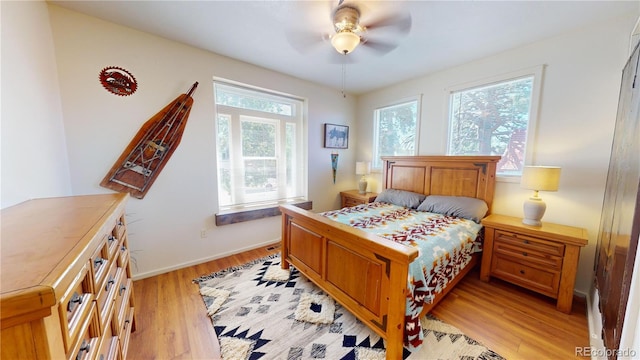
537, 72
376, 162
239, 114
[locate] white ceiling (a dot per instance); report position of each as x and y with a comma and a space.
443, 33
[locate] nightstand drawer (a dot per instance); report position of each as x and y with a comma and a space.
529, 243
347, 202
545, 282
530, 256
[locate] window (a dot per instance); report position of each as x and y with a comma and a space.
261, 159
495, 117
395, 130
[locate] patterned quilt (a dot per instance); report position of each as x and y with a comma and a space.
445, 246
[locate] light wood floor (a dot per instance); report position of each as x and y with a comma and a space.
171, 321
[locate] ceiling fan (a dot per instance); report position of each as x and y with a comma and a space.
352, 28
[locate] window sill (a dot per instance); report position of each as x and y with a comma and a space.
233, 217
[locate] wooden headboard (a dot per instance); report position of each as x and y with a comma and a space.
472, 176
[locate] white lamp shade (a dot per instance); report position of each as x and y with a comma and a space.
345, 41
540, 178
363, 168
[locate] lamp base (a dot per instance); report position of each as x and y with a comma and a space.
362, 186
534, 209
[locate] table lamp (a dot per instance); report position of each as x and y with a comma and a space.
363, 168
538, 178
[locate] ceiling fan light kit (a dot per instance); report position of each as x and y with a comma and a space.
345, 41
346, 24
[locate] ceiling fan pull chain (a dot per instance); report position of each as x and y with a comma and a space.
344, 75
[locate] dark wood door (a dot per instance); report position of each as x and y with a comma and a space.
620, 222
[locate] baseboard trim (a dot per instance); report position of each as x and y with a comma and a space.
164, 270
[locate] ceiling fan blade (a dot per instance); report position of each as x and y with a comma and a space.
379, 47
397, 22
305, 41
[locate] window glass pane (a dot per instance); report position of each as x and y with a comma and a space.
290, 152
396, 128
260, 175
238, 99
223, 153
258, 138
492, 120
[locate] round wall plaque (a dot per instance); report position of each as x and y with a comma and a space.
118, 81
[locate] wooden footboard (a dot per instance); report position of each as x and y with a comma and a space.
365, 273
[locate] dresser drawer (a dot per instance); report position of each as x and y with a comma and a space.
99, 264
86, 347
75, 305
529, 243
108, 348
107, 295
543, 281
125, 331
120, 227
123, 301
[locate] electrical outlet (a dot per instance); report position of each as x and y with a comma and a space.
203, 233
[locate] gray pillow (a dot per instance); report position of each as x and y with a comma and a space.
460, 206
401, 198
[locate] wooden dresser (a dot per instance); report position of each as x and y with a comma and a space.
543, 259
66, 290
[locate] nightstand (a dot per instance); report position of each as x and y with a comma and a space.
540, 258
353, 198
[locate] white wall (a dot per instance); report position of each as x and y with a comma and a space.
575, 127
34, 160
165, 226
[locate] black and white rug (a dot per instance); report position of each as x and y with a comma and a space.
260, 311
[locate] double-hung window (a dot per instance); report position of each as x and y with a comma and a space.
260, 153
496, 117
396, 130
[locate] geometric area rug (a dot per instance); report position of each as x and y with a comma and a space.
260, 311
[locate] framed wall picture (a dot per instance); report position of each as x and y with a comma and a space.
336, 136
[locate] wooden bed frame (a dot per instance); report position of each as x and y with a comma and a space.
365, 273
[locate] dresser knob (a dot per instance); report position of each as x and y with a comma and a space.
76, 300
97, 262
83, 348
526, 241
109, 283
524, 254
522, 272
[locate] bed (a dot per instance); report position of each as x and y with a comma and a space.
366, 273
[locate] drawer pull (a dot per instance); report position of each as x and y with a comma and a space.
109, 283
84, 347
97, 262
123, 248
525, 241
76, 300
111, 238
525, 254
122, 289
120, 223
522, 272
